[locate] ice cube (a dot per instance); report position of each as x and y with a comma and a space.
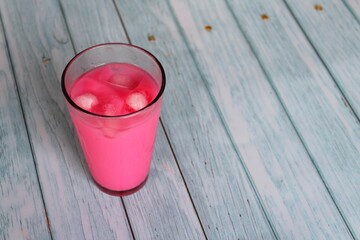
110, 127
113, 107
109, 132
86, 101
118, 76
136, 101
123, 81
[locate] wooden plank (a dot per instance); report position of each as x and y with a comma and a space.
22, 212
217, 182
291, 190
335, 34
328, 128
40, 47
98, 22
163, 208
354, 8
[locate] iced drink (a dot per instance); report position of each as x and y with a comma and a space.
114, 102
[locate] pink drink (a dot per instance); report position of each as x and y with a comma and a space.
114, 93
118, 151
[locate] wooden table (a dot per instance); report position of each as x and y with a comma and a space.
259, 135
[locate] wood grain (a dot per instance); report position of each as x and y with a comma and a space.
163, 208
22, 212
258, 124
316, 107
98, 22
354, 8
335, 34
40, 47
217, 182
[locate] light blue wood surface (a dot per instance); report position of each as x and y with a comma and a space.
329, 131
259, 135
22, 212
354, 8
335, 34
258, 123
338, 44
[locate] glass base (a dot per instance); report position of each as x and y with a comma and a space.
120, 193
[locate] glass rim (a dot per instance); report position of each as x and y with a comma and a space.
72, 103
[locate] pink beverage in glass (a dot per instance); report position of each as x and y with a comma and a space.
114, 93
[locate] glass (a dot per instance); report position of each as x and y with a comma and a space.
118, 149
